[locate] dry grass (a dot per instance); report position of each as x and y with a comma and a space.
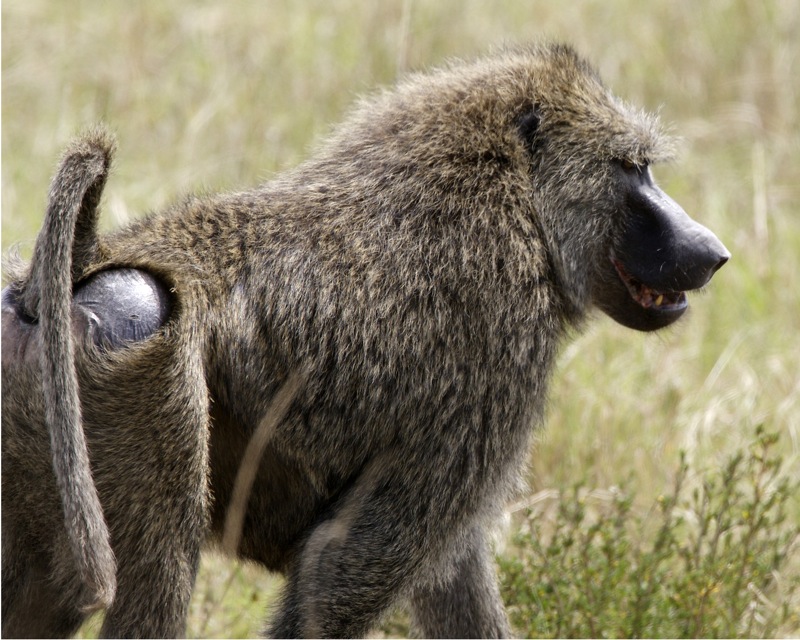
221, 95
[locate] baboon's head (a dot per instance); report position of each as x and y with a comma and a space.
533, 132
616, 237
609, 224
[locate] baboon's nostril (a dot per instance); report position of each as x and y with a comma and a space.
721, 261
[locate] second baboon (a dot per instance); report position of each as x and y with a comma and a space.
416, 276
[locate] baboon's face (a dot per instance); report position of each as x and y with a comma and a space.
617, 240
659, 254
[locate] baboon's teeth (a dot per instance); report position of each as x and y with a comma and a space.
646, 297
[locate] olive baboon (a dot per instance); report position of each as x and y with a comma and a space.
418, 275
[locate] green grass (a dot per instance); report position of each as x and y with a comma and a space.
708, 559
208, 96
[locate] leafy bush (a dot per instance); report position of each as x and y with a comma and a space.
709, 559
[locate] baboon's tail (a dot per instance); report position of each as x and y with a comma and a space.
67, 242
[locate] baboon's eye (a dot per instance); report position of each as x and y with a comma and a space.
629, 165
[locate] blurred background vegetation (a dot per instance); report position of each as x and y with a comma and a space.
212, 95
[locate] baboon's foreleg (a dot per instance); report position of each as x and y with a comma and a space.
354, 566
468, 605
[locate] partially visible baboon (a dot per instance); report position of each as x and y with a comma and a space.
144, 410
417, 275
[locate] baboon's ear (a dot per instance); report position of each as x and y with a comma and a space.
528, 124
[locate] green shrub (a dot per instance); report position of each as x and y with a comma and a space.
709, 559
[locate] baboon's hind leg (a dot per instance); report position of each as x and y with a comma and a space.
154, 487
145, 407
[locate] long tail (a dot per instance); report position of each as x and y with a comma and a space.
67, 242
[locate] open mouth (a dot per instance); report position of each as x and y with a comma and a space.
647, 297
